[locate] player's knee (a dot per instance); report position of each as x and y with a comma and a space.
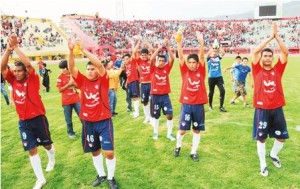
169, 117
96, 153
33, 151
280, 140
196, 131
182, 132
109, 154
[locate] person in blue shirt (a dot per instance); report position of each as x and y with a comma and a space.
242, 71
215, 77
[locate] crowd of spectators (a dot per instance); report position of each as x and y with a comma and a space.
232, 33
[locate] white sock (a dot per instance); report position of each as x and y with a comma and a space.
136, 106
277, 146
261, 151
37, 166
147, 111
155, 125
196, 141
179, 139
111, 167
51, 154
170, 126
98, 163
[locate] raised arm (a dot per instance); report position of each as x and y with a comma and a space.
171, 55
4, 60
150, 47
221, 51
135, 49
71, 66
153, 56
180, 52
201, 48
15, 45
256, 53
94, 59
283, 48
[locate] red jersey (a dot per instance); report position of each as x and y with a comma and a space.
193, 90
94, 98
160, 83
26, 95
68, 96
131, 71
144, 70
268, 92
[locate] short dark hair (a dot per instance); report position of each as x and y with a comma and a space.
127, 54
44, 64
63, 64
193, 56
238, 57
89, 63
266, 50
162, 56
144, 51
245, 58
20, 63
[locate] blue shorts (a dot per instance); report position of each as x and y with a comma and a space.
35, 132
159, 102
192, 114
134, 89
97, 135
145, 92
269, 122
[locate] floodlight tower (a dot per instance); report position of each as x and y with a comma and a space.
119, 10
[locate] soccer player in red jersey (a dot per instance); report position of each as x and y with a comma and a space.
193, 97
160, 89
143, 63
70, 98
33, 124
97, 132
269, 99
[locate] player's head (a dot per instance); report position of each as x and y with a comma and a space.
215, 51
245, 61
109, 65
144, 54
44, 65
119, 56
161, 61
63, 66
20, 71
126, 58
238, 59
266, 57
192, 62
91, 71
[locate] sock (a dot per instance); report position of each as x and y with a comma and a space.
261, 151
196, 141
170, 126
147, 111
136, 105
98, 163
111, 167
37, 166
155, 125
179, 139
277, 146
51, 154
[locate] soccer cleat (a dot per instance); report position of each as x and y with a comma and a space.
99, 180
276, 161
155, 136
72, 136
176, 152
232, 102
112, 183
194, 157
147, 120
129, 110
114, 113
40, 183
264, 172
246, 105
222, 109
50, 166
210, 108
171, 137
